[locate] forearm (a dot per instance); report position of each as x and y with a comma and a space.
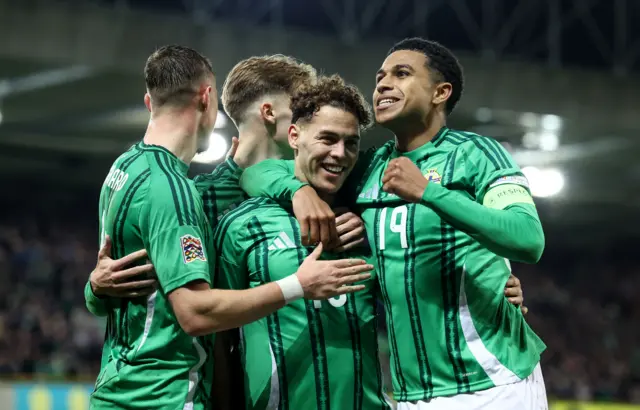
272, 179
95, 305
216, 310
514, 233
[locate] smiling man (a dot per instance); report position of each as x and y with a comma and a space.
312, 354
444, 211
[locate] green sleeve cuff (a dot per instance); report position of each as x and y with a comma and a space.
95, 304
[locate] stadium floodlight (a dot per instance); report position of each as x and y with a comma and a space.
544, 183
548, 141
217, 148
528, 119
221, 120
551, 122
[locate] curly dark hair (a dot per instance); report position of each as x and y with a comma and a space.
441, 62
332, 91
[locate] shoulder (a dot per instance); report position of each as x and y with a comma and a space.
256, 209
477, 148
222, 173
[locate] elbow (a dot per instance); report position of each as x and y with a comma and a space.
95, 311
532, 248
195, 326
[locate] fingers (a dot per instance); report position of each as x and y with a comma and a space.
325, 233
524, 310
314, 234
346, 263
135, 271
126, 286
348, 280
234, 147
516, 300
353, 270
139, 293
350, 245
130, 258
304, 231
513, 292
105, 250
316, 252
334, 238
347, 222
349, 289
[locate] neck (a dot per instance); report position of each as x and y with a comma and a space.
325, 196
175, 131
255, 146
419, 133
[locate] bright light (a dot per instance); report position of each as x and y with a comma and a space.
217, 149
530, 140
548, 141
528, 119
221, 120
551, 122
544, 183
483, 114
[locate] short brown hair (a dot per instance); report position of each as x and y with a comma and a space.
255, 77
172, 74
331, 91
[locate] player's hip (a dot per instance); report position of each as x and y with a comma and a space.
526, 394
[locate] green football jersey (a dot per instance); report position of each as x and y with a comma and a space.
451, 330
309, 354
148, 202
220, 190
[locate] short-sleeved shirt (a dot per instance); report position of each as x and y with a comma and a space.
147, 202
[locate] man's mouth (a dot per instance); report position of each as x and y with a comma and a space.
386, 102
333, 169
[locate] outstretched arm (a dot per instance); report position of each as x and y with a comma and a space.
201, 310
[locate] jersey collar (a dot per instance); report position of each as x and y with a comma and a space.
423, 151
182, 166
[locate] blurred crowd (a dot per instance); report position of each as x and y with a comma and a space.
584, 310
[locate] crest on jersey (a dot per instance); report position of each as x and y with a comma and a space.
192, 249
432, 175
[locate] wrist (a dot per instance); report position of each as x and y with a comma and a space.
291, 288
95, 289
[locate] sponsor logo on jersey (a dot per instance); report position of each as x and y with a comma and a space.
432, 175
511, 179
192, 249
282, 241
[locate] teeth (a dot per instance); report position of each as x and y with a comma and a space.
386, 101
335, 169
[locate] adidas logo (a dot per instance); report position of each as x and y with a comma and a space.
371, 193
282, 241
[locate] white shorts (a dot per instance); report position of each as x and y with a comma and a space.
527, 394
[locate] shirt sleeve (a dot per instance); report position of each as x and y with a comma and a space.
271, 178
96, 305
480, 164
500, 214
175, 237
